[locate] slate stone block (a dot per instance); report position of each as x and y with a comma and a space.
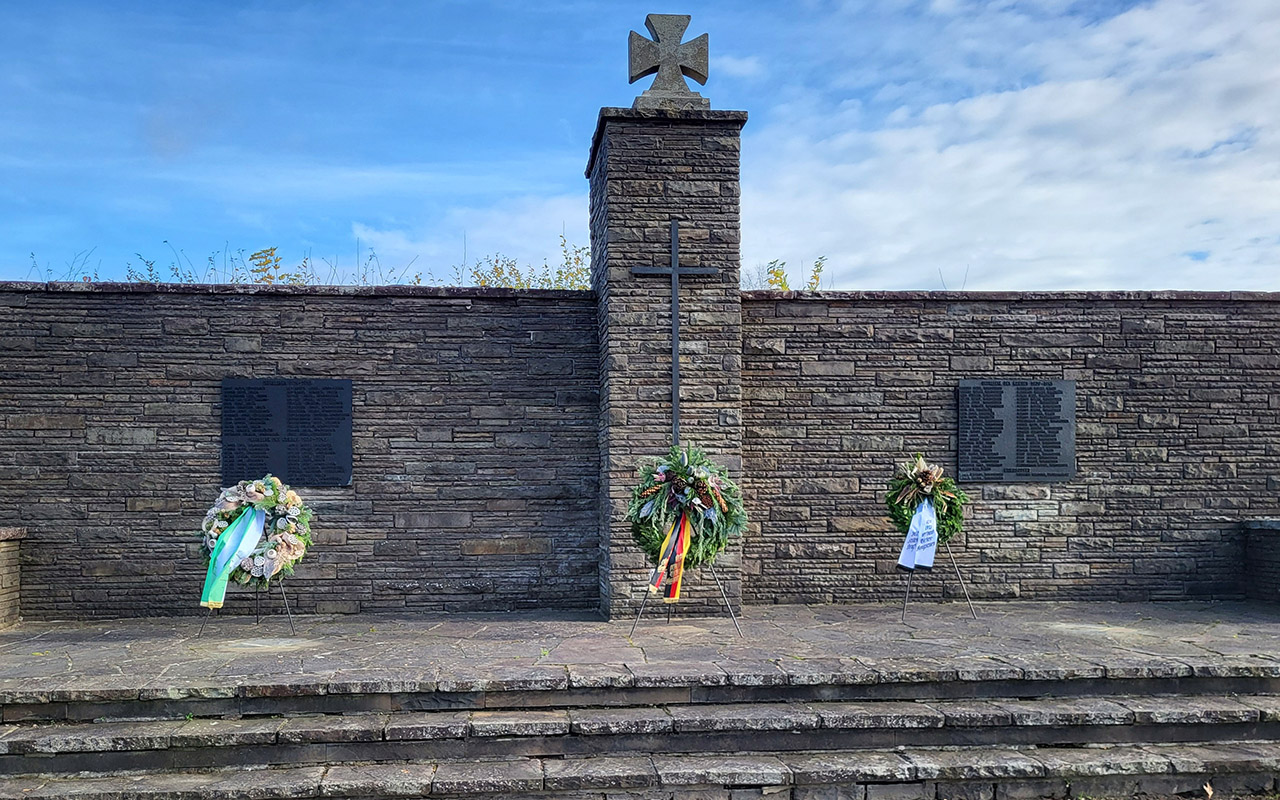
519, 723
427, 725
474, 777
720, 770
598, 773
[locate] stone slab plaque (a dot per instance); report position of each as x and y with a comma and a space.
1016, 431
297, 430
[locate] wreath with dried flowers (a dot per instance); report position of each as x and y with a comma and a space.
285, 532
916, 481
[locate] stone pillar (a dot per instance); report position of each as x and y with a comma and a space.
647, 167
10, 578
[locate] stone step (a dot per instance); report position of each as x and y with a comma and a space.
908, 774
725, 728
665, 683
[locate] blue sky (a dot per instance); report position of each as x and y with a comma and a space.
1037, 144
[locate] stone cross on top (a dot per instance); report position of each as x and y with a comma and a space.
665, 55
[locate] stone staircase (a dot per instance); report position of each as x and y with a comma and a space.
819, 729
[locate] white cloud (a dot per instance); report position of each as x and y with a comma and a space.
737, 66
1150, 136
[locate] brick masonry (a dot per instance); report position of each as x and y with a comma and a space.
1178, 434
10, 575
474, 440
647, 168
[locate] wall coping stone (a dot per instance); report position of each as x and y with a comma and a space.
773, 295
11, 534
502, 293
447, 292
692, 116
1262, 525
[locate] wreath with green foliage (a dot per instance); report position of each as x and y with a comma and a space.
917, 481
286, 529
686, 482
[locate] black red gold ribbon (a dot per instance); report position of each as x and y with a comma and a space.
675, 546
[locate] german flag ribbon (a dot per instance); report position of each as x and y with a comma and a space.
667, 551
682, 549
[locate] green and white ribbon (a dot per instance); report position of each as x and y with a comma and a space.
234, 545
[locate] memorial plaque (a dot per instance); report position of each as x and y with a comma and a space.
1015, 431
297, 430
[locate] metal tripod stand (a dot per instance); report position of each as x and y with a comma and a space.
724, 596
257, 610
911, 575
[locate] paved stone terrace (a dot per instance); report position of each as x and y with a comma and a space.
120, 659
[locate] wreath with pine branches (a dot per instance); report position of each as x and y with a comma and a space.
687, 482
916, 481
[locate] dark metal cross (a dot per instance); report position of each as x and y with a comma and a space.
675, 271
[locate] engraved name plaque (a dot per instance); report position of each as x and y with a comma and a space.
297, 430
1014, 431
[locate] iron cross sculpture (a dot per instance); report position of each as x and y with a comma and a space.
671, 59
675, 271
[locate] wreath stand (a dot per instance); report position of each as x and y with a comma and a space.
956, 567
723, 596
257, 610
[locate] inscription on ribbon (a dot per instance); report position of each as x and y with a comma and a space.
1017, 431
297, 430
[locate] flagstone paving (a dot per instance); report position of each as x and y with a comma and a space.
118, 659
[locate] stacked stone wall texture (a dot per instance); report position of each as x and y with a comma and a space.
474, 434
1177, 437
647, 168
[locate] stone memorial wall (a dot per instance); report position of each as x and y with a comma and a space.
473, 433
1176, 439
495, 433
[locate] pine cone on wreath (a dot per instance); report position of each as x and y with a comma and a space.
724, 507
